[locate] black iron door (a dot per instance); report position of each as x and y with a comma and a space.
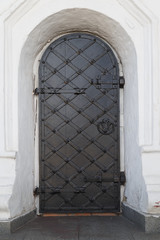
79, 126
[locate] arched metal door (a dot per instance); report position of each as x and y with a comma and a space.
79, 126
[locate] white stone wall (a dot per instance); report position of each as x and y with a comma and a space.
131, 27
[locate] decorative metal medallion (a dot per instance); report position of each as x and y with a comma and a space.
105, 127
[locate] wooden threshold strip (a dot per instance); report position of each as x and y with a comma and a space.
78, 214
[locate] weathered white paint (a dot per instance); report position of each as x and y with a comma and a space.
130, 27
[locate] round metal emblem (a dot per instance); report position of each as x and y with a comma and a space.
105, 127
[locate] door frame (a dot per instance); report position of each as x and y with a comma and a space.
36, 112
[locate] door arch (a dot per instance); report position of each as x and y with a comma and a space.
79, 126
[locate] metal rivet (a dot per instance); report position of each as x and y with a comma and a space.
66, 81
92, 61
79, 72
79, 131
67, 61
92, 160
67, 140
79, 150
67, 160
43, 62
79, 111
54, 151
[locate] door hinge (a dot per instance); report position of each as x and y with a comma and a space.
50, 90
36, 91
121, 82
122, 178
36, 191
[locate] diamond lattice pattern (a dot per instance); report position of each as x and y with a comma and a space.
78, 163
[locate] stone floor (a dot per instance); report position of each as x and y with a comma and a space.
80, 228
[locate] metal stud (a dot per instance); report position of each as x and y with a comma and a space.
67, 140
79, 72
67, 160
79, 150
92, 61
79, 131
92, 160
92, 121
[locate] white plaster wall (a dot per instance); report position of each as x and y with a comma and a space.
22, 199
78, 20
128, 26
